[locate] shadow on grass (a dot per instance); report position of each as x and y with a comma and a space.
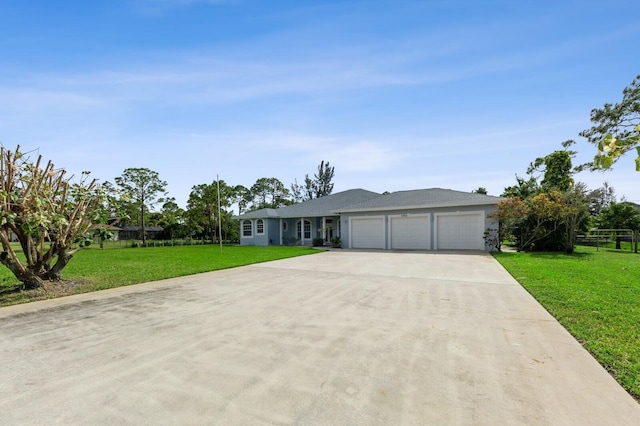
581, 252
10, 288
553, 254
544, 254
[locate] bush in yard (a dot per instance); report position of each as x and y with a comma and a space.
47, 213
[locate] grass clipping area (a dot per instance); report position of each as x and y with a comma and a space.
94, 269
595, 295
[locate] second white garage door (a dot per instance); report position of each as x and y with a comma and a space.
459, 231
410, 232
367, 232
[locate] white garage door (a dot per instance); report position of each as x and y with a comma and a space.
367, 232
460, 231
410, 232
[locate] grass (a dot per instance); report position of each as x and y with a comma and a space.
595, 295
95, 269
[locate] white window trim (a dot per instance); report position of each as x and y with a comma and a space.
242, 230
300, 223
264, 225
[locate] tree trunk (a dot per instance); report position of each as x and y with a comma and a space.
144, 236
64, 256
29, 278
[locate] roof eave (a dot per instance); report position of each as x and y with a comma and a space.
417, 206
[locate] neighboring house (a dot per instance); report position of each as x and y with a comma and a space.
133, 232
111, 228
425, 219
14, 238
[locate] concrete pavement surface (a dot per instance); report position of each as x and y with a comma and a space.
341, 337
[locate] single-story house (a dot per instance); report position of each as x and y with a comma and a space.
111, 228
134, 232
423, 219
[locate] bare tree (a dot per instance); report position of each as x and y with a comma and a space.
46, 213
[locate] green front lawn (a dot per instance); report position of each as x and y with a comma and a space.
95, 269
595, 295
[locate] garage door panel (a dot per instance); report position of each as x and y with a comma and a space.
367, 232
410, 232
460, 232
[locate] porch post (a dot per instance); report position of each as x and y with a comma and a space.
280, 224
324, 232
302, 231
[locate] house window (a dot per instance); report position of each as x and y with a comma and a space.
307, 229
260, 227
285, 226
247, 229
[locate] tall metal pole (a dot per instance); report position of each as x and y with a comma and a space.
219, 218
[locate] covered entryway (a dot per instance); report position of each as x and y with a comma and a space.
367, 232
459, 231
410, 232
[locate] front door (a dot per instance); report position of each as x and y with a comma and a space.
328, 230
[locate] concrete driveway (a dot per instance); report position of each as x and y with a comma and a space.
341, 337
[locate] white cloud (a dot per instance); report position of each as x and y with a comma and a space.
366, 157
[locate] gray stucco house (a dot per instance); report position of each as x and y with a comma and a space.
423, 219
300, 222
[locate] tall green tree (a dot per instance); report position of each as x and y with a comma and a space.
600, 198
616, 128
323, 180
557, 169
269, 193
546, 216
47, 211
623, 215
319, 186
242, 197
299, 192
172, 219
575, 215
523, 189
144, 188
202, 207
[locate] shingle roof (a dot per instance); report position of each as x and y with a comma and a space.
421, 198
105, 226
146, 228
323, 206
258, 214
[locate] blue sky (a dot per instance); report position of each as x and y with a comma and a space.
395, 95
